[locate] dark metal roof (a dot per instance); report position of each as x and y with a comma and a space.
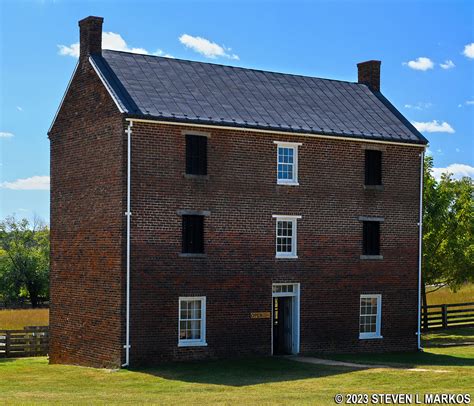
185, 91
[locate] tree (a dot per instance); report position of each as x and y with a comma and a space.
448, 225
24, 260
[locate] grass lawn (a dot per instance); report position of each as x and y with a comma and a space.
249, 381
445, 295
18, 318
252, 381
441, 348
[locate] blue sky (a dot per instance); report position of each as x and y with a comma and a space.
321, 38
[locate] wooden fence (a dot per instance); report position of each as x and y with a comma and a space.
447, 315
29, 342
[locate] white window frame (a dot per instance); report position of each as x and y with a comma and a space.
294, 239
294, 146
192, 342
378, 320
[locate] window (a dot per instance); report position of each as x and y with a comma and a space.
192, 321
371, 238
287, 163
282, 288
373, 167
196, 155
370, 316
193, 234
286, 236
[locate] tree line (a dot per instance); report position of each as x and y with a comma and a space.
448, 244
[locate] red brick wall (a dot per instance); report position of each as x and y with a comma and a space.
237, 274
87, 225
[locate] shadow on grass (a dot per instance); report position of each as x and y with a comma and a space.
403, 359
449, 338
241, 372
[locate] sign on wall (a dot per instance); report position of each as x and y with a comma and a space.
260, 315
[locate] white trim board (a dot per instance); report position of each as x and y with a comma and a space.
102, 79
273, 132
64, 96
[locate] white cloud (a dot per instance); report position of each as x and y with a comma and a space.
457, 170
110, 40
160, 52
418, 106
433, 127
448, 64
458, 150
207, 48
470, 102
5, 134
33, 183
19, 108
71, 50
421, 63
469, 50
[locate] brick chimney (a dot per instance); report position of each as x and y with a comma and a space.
90, 36
369, 74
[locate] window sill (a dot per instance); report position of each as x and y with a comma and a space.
191, 255
192, 344
286, 256
283, 183
374, 337
197, 177
374, 187
372, 257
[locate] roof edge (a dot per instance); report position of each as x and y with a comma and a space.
112, 94
207, 124
401, 117
62, 99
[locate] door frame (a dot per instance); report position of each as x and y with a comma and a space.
295, 327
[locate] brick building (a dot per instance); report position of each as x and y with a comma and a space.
201, 210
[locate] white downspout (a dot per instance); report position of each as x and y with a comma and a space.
420, 246
128, 213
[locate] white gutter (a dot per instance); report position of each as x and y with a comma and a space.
420, 246
128, 213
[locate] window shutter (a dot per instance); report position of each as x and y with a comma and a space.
196, 155
373, 167
371, 238
185, 244
202, 148
193, 234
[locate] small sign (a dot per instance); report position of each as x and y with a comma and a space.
260, 315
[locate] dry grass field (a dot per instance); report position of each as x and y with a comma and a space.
19, 318
445, 295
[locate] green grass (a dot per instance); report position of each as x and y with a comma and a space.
18, 318
443, 338
259, 381
446, 296
441, 348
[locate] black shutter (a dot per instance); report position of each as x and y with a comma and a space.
196, 155
193, 234
371, 238
373, 167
